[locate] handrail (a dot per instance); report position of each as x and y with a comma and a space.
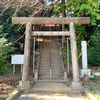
38, 64
50, 57
39, 57
63, 68
34, 56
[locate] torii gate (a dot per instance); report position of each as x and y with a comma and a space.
25, 83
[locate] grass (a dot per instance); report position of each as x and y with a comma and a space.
61, 95
68, 95
2, 88
27, 98
4, 98
95, 94
94, 79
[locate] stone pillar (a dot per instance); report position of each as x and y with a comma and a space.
84, 55
84, 69
76, 84
25, 83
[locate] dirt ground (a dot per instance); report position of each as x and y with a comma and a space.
9, 82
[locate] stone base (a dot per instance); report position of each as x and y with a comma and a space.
24, 85
36, 74
65, 76
85, 71
76, 85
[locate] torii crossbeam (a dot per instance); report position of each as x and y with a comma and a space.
49, 20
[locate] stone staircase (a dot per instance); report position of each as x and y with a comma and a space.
56, 66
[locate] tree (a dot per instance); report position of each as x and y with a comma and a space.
94, 58
85, 8
6, 49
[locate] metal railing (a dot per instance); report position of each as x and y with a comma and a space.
67, 56
50, 57
34, 55
50, 54
63, 68
38, 63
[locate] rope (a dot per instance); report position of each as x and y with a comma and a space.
88, 42
78, 35
81, 52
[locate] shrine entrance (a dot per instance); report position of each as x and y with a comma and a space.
29, 21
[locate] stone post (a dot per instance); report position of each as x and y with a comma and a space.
84, 55
25, 83
76, 84
84, 69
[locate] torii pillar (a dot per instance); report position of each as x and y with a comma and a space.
75, 84
25, 83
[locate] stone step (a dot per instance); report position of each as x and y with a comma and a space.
48, 67
52, 47
52, 68
46, 70
52, 64
56, 58
48, 57
48, 60
48, 74
52, 77
51, 81
66, 90
48, 49
48, 53
45, 63
52, 61
53, 73
52, 58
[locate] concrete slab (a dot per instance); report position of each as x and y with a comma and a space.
52, 88
50, 96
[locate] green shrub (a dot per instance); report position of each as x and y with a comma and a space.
6, 49
94, 59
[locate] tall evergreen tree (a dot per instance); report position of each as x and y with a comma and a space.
94, 59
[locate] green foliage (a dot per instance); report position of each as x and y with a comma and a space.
94, 79
12, 30
81, 8
6, 49
85, 8
80, 29
94, 59
91, 89
95, 93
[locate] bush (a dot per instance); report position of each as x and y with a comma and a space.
94, 59
6, 48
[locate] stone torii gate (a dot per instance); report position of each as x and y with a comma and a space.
25, 83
